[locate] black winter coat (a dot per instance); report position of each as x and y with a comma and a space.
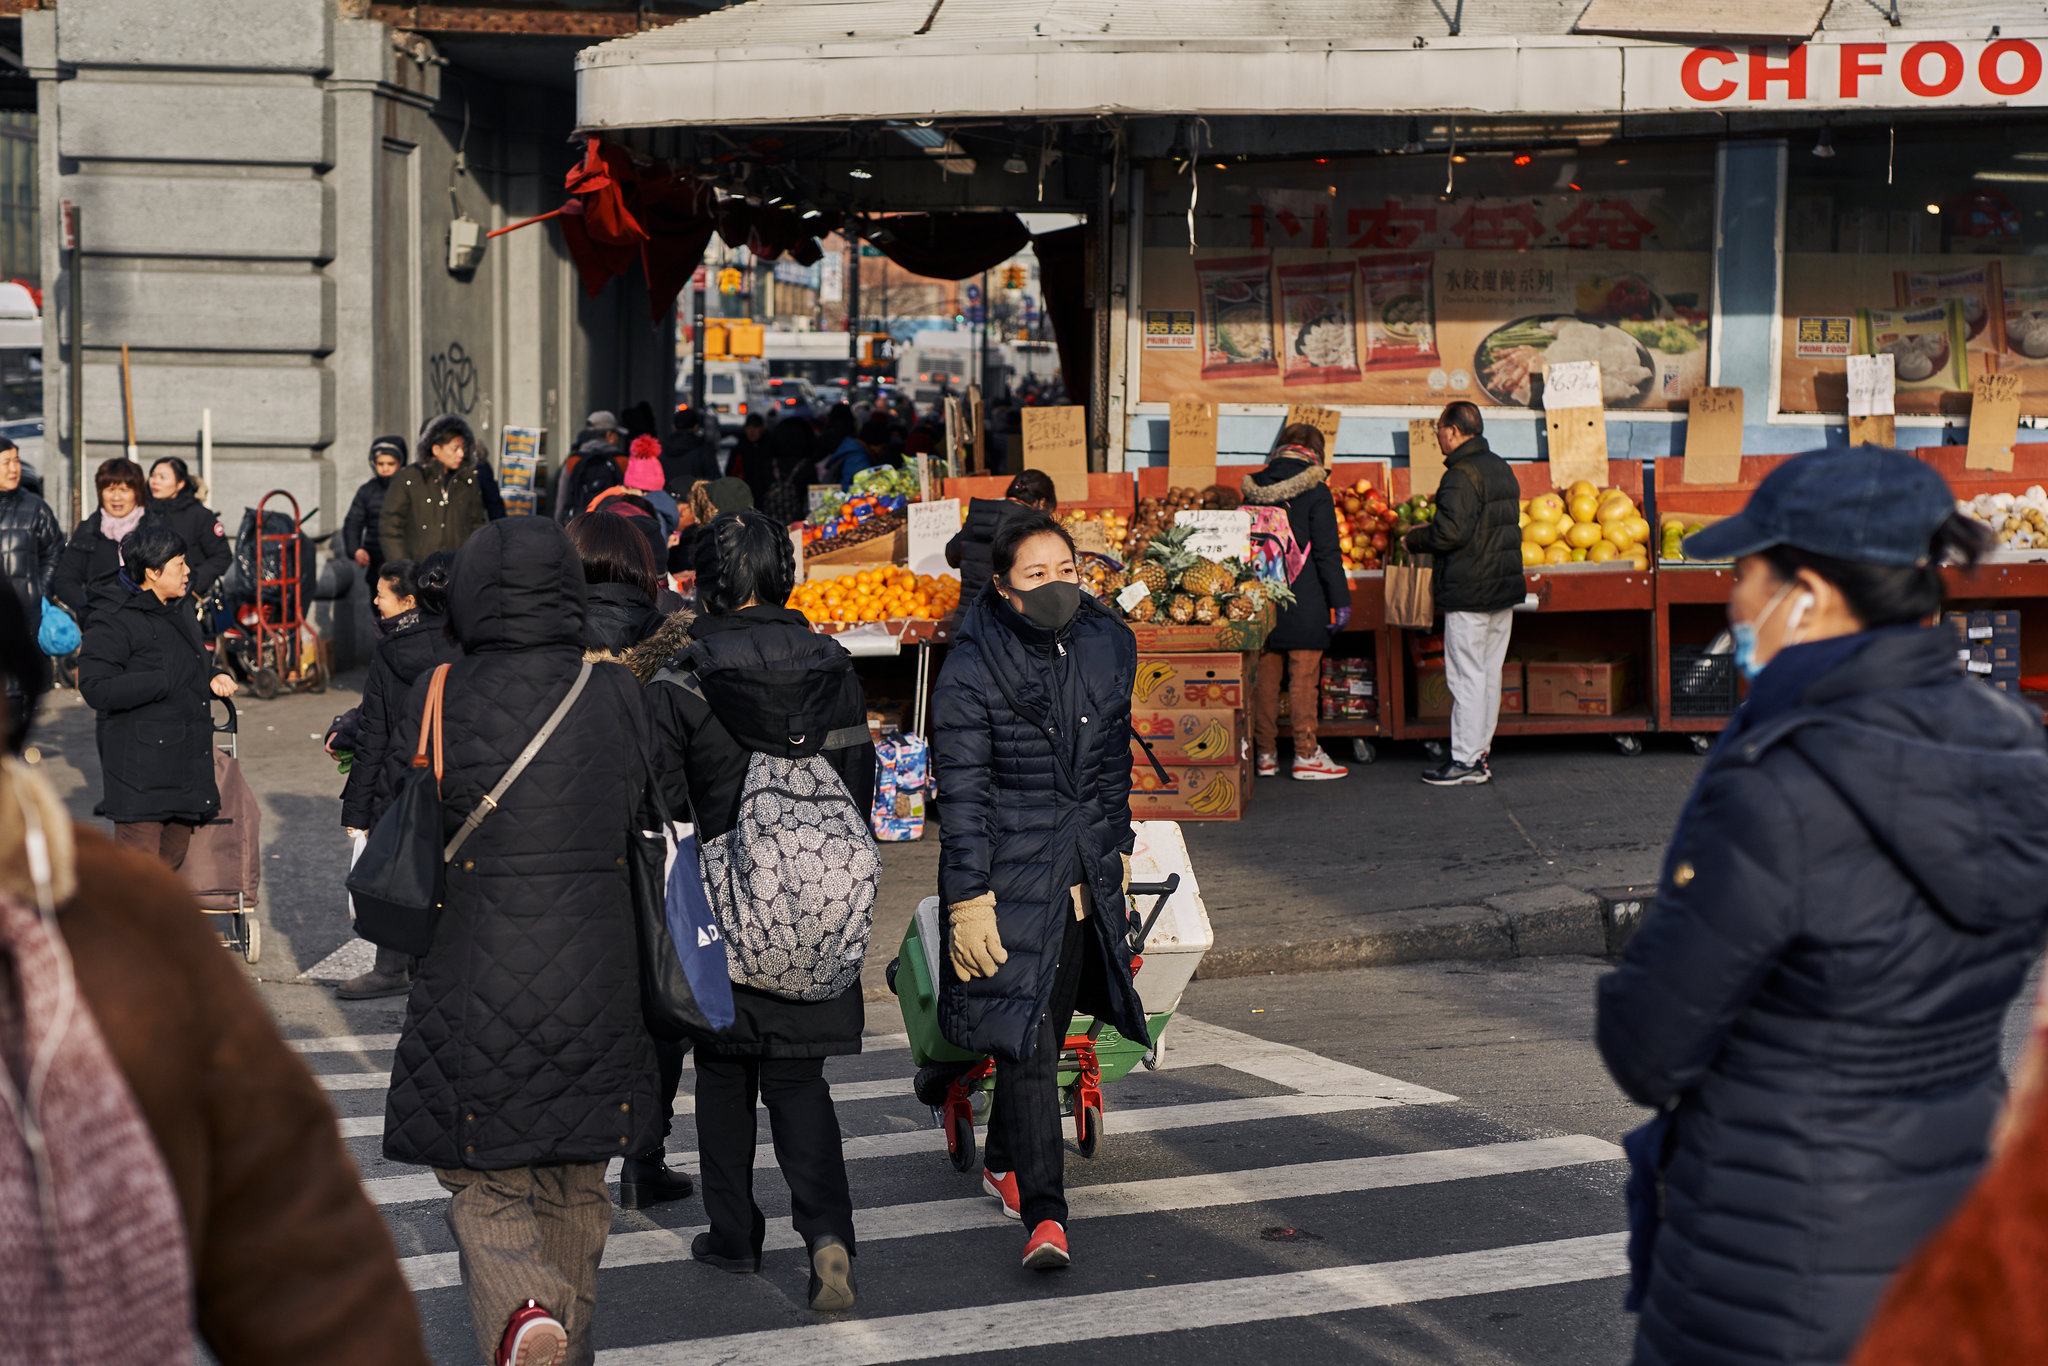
972, 551
207, 550
618, 617
31, 542
143, 669
1843, 919
401, 659
359, 528
523, 1039
702, 770
1038, 800
88, 578
1476, 535
1304, 490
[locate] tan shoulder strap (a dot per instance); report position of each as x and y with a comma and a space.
430, 723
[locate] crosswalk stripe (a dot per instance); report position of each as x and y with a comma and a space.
888, 1088
1031, 1324
344, 1043
398, 1190
1121, 1199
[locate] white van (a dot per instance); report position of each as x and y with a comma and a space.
728, 389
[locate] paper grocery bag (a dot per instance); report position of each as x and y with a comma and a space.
1411, 598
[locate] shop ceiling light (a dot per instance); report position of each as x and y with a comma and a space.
1015, 164
1824, 145
1523, 159
861, 172
2012, 177
1934, 208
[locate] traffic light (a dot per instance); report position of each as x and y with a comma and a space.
730, 279
743, 341
714, 341
1013, 277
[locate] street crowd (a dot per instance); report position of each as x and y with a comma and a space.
1852, 899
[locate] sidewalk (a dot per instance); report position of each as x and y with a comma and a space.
1377, 868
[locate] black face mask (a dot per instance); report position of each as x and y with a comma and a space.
1051, 605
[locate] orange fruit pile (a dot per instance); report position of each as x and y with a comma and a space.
883, 593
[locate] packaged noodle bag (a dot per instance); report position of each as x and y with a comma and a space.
1927, 344
2026, 323
902, 768
1979, 289
1236, 299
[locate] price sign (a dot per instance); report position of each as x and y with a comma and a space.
1324, 420
1191, 435
931, 526
1425, 457
1572, 384
1056, 441
1219, 535
1994, 422
1873, 381
1713, 436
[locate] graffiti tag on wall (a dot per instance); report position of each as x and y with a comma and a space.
452, 373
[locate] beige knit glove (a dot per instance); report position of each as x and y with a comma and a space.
1127, 874
977, 950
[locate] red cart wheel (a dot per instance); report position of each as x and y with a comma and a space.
960, 1142
1088, 1129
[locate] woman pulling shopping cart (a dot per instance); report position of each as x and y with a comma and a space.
1031, 738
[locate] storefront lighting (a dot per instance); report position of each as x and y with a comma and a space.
1824, 145
1014, 165
1523, 159
1574, 185
1934, 208
861, 172
1459, 159
2012, 177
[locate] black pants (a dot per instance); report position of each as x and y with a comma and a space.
1024, 1126
668, 1054
807, 1148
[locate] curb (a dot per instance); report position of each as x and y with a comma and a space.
1536, 923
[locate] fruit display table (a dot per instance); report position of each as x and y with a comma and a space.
1694, 693
1581, 612
2014, 578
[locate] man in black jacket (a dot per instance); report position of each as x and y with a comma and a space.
1476, 538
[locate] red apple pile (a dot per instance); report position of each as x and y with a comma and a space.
1365, 523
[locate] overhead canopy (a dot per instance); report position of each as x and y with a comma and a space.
798, 61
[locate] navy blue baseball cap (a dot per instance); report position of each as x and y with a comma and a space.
1864, 505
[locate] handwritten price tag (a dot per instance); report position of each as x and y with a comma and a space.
1873, 383
1713, 436
1572, 384
1324, 420
1994, 422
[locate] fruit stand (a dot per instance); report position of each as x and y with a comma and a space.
1592, 621
1361, 655
2011, 584
1695, 692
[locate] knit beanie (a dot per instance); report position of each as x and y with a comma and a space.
643, 465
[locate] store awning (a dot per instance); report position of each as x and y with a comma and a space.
800, 61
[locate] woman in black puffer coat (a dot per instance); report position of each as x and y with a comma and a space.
1851, 901
174, 496
525, 1064
88, 578
745, 646
412, 607
1031, 747
620, 581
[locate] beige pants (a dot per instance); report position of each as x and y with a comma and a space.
531, 1233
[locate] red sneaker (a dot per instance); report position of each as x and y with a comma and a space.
1047, 1250
534, 1337
1003, 1186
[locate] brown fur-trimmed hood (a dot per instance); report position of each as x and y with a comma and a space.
670, 639
1285, 488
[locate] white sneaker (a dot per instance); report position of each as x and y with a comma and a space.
1269, 765
1318, 767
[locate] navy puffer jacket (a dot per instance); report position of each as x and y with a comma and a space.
1845, 915
1028, 821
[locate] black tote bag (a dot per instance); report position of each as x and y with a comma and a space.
666, 996
398, 883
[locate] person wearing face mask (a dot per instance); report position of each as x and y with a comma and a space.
412, 626
1031, 746
1851, 900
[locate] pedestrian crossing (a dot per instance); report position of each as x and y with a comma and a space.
1232, 1139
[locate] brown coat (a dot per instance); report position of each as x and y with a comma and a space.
291, 1262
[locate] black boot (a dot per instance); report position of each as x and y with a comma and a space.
390, 976
646, 1180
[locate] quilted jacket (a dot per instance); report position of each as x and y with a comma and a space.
410, 652
702, 769
30, 541
1851, 903
88, 577
143, 669
1037, 794
523, 1038
1476, 535
207, 551
1303, 489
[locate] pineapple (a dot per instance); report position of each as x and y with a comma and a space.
1153, 575
1167, 559
1146, 610
1181, 610
1239, 608
1205, 610
1113, 583
1209, 578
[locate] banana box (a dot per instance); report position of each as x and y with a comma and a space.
1206, 682
1188, 737
1190, 792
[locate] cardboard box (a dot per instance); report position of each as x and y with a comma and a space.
1433, 691
1603, 686
1205, 792
1189, 737
1193, 681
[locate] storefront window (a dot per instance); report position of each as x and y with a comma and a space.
1361, 281
1936, 252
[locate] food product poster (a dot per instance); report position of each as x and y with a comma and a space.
1429, 327
1837, 304
518, 463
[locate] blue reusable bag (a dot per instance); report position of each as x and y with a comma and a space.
57, 634
694, 930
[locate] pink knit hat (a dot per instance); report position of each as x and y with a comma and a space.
643, 465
